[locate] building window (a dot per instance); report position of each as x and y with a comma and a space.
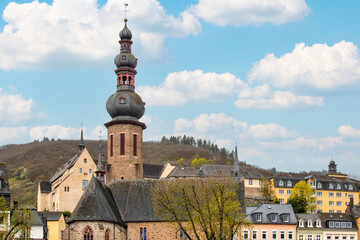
250, 181
122, 143
301, 223
111, 146
331, 211
319, 203
290, 235
88, 234
260, 182
273, 218
351, 195
281, 183
84, 184
331, 186
85, 160
264, 235
331, 194
331, 224
90, 170
319, 185
349, 224
328, 237
351, 187
288, 192
344, 237
143, 233
254, 235
66, 189
286, 218
246, 234
80, 170
319, 194
107, 234
318, 236
318, 223
281, 192
301, 237
309, 223
289, 184
274, 234
282, 235
343, 224
338, 195
338, 203
331, 203
337, 224
258, 217
309, 237
338, 186
135, 145
282, 201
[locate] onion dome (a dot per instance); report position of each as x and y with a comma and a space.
125, 59
125, 105
125, 33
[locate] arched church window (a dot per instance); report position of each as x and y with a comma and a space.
107, 234
88, 234
129, 80
124, 79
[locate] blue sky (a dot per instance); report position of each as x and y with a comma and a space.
279, 78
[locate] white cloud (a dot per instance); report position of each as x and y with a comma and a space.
13, 134
244, 12
55, 131
264, 98
68, 33
209, 123
348, 131
14, 109
269, 130
188, 86
317, 67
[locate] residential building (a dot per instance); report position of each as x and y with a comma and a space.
331, 190
339, 226
270, 222
309, 227
65, 188
55, 224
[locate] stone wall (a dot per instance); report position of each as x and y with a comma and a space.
75, 231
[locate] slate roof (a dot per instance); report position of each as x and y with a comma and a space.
96, 204
267, 209
182, 171
337, 217
66, 166
52, 216
45, 186
152, 170
213, 170
36, 219
5, 188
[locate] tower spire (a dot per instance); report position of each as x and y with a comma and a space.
81, 144
100, 167
235, 172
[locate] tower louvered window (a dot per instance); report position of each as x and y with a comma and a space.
122, 144
135, 145
111, 145
88, 234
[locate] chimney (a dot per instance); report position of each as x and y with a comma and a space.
351, 202
350, 205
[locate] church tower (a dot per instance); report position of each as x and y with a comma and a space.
125, 131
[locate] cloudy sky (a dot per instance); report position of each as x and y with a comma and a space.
281, 78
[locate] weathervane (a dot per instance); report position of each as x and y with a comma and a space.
126, 5
100, 135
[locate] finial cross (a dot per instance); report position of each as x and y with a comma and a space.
100, 135
126, 5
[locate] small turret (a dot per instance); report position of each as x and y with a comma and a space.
100, 167
235, 171
332, 166
81, 144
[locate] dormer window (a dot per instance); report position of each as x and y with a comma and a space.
331, 224
258, 217
351, 188
309, 223
301, 223
338, 187
349, 224
286, 218
331, 186
337, 224
318, 223
319, 185
273, 218
343, 224
289, 184
281, 183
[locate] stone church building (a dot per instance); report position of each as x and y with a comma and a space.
116, 204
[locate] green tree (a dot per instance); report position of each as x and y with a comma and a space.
201, 208
267, 190
198, 162
302, 198
16, 221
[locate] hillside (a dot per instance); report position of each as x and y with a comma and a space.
29, 163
